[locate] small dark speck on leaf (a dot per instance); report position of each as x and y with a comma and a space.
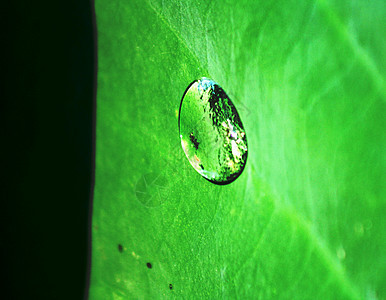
148, 265
120, 248
170, 286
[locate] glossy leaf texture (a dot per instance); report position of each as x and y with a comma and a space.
306, 218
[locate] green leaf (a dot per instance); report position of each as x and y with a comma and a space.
305, 220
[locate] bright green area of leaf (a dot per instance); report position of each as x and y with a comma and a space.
306, 219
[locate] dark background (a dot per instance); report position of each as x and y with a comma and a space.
47, 107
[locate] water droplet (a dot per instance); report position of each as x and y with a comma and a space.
212, 135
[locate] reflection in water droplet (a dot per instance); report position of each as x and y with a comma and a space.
212, 135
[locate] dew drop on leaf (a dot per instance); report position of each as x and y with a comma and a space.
212, 135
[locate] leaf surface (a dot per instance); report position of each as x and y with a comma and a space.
306, 218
